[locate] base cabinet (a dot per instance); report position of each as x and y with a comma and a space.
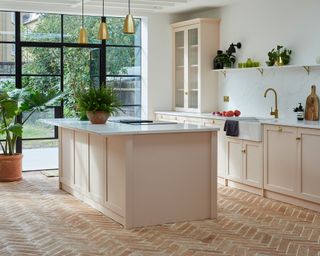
244, 162
309, 164
291, 162
280, 153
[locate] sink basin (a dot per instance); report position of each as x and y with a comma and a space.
250, 128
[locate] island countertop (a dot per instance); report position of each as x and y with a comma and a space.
116, 128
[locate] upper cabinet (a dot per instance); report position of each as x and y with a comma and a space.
195, 44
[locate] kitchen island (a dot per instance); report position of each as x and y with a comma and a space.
140, 175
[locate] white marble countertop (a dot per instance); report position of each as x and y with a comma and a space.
114, 128
293, 123
263, 120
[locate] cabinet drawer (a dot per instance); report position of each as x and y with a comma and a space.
191, 120
213, 122
170, 118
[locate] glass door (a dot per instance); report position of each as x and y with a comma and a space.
179, 68
193, 68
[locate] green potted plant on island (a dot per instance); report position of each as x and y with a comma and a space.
98, 103
12, 104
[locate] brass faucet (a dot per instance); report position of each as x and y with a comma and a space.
274, 113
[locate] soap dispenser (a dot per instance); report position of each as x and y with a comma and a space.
300, 112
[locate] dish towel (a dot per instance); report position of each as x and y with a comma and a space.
231, 127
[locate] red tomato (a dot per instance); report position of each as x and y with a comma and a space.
230, 113
237, 113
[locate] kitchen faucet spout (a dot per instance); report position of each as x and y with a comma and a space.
274, 113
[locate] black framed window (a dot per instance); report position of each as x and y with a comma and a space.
41, 50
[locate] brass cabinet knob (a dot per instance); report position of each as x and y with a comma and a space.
243, 151
280, 129
186, 93
298, 138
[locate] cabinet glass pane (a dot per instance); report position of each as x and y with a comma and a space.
193, 72
179, 73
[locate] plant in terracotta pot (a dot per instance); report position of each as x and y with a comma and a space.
98, 103
12, 104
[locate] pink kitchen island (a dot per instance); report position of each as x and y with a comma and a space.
140, 175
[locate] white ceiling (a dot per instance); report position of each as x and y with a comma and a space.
139, 7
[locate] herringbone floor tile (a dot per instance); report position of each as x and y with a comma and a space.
38, 219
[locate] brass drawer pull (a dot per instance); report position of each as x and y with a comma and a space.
298, 138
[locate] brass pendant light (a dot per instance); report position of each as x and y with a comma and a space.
128, 27
103, 29
83, 36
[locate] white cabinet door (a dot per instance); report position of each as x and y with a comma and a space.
252, 163
234, 159
280, 159
309, 164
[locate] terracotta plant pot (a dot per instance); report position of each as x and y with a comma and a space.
11, 167
98, 117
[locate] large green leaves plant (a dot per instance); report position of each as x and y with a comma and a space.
14, 103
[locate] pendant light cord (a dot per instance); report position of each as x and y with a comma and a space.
83, 13
129, 7
102, 8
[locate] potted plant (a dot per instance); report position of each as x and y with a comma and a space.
12, 104
98, 103
279, 56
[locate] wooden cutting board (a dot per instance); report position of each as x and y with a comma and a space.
312, 106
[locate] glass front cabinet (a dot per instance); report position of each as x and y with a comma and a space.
195, 44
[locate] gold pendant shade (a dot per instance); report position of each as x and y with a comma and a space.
128, 27
83, 36
103, 31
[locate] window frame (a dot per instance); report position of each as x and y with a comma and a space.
19, 45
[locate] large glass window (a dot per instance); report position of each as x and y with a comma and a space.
46, 55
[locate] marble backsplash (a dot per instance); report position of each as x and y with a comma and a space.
246, 89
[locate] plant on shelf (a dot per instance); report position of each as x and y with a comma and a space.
98, 103
279, 56
14, 103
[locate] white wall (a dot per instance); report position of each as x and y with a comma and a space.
260, 25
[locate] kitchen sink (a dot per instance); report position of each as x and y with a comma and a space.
250, 128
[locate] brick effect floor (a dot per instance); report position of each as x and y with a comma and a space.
38, 219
